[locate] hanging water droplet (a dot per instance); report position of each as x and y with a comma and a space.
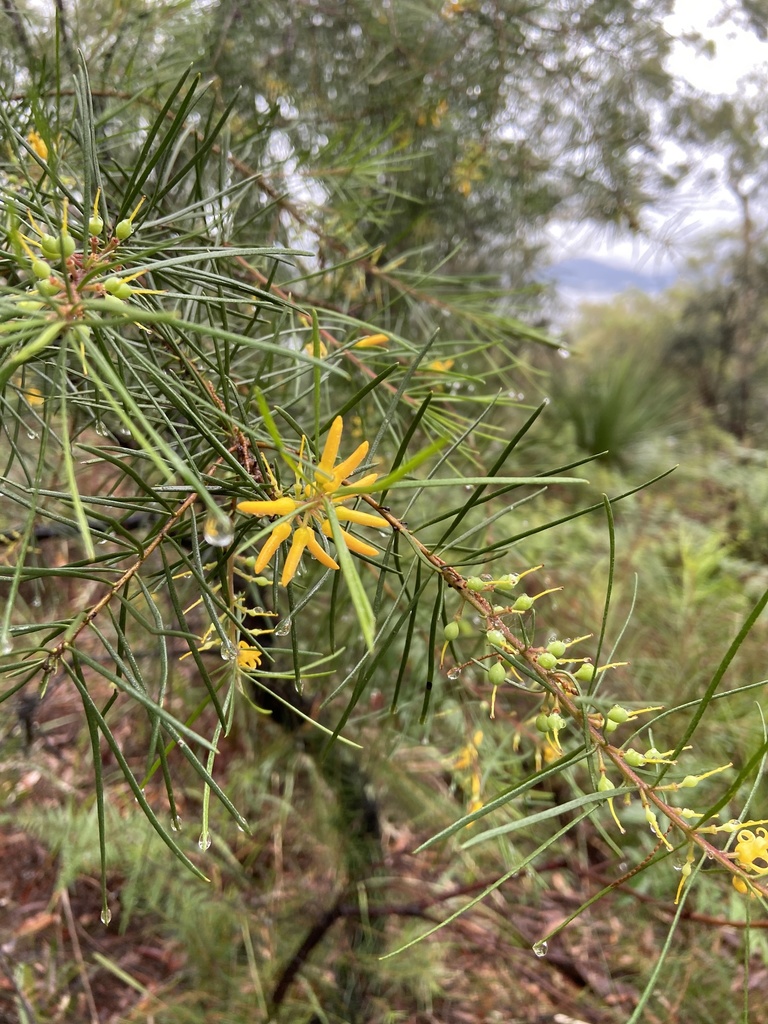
176, 824
106, 915
36, 601
204, 842
241, 828
6, 643
564, 353
454, 673
284, 628
540, 948
218, 530
32, 435
228, 651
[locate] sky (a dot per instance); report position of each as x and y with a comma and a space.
676, 226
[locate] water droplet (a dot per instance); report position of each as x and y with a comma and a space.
106, 915
564, 353
218, 530
36, 601
486, 577
176, 824
228, 651
32, 435
454, 673
540, 948
204, 842
241, 828
284, 628
6, 644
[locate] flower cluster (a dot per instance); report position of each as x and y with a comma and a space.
305, 510
751, 853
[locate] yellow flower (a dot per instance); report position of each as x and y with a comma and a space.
371, 341
37, 143
751, 851
305, 510
248, 658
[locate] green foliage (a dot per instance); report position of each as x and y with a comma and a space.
276, 522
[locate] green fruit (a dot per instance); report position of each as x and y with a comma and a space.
497, 673
495, 636
556, 722
634, 758
557, 647
95, 225
68, 245
618, 714
523, 603
451, 631
542, 723
117, 286
585, 674
609, 726
41, 269
123, 229
475, 583
547, 660
48, 287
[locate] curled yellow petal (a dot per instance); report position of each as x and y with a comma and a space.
331, 449
319, 552
276, 507
353, 515
372, 341
300, 540
248, 658
280, 533
346, 468
353, 543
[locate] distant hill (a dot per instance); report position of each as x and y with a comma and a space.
590, 278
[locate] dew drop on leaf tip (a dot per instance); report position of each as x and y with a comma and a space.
204, 842
106, 915
540, 949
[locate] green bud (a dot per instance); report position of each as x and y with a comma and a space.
557, 647
451, 631
41, 269
96, 225
618, 714
497, 673
523, 603
634, 758
547, 660
585, 674
123, 229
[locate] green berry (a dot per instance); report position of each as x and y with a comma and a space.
585, 674
495, 636
475, 583
618, 714
123, 229
51, 246
609, 726
542, 723
451, 631
117, 286
547, 660
41, 269
68, 245
557, 647
556, 722
523, 603
497, 673
47, 287
634, 758
95, 225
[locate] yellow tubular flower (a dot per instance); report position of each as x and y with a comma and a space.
307, 507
